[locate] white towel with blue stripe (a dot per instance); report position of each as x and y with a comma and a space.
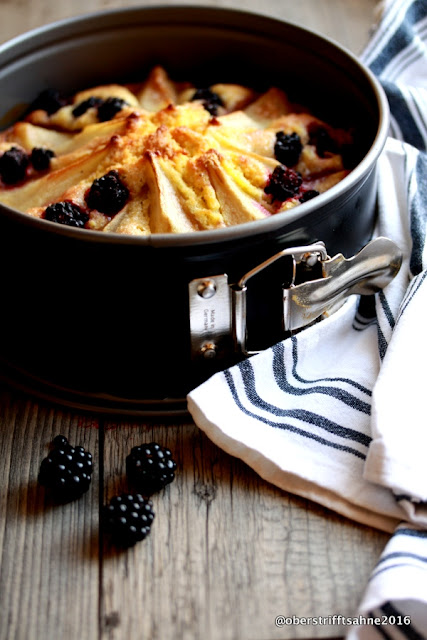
336, 413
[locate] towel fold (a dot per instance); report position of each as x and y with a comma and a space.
336, 413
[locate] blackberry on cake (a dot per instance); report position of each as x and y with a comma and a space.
108, 194
288, 148
13, 165
41, 157
284, 183
66, 213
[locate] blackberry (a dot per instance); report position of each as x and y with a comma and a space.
322, 140
49, 100
284, 183
66, 213
287, 148
82, 107
40, 158
128, 518
308, 195
109, 107
66, 471
210, 100
107, 194
13, 165
150, 467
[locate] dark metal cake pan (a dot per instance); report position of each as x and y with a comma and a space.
102, 320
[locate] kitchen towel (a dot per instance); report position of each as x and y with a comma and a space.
336, 412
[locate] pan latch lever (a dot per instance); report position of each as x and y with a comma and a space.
218, 313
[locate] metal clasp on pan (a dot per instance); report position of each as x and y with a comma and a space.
210, 317
218, 320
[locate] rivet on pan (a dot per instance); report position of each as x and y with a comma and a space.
208, 350
312, 259
206, 289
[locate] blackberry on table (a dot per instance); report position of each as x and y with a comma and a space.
150, 467
40, 158
287, 148
66, 471
49, 100
128, 518
66, 213
109, 108
13, 165
308, 195
107, 194
284, 183
210, 100
83, 106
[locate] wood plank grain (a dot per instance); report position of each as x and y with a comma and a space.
347, 21
227, 552
49, 564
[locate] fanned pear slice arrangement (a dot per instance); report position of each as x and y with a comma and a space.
162, 156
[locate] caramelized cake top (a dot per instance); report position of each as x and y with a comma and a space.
167, 157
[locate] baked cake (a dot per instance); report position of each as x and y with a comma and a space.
167, 157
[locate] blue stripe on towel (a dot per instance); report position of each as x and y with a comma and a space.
399, 565
386, 308
401, 38
406, 531
349, 381
280, 375
382, 343
412, 292
402, 114
408, 631
377, 627
309, 417
288, 427
401, 554
418, 211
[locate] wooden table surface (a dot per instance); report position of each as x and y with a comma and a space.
227, 552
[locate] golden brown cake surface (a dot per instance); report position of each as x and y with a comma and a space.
165, 157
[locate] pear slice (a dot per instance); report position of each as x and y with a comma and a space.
50, 187
134, 219
193, 187
311, 166
29, 136
236, 206
270, 105
234, 96
240, 132
167, 214
94, 132
239, 120
259, 147
326, 182
158, 92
